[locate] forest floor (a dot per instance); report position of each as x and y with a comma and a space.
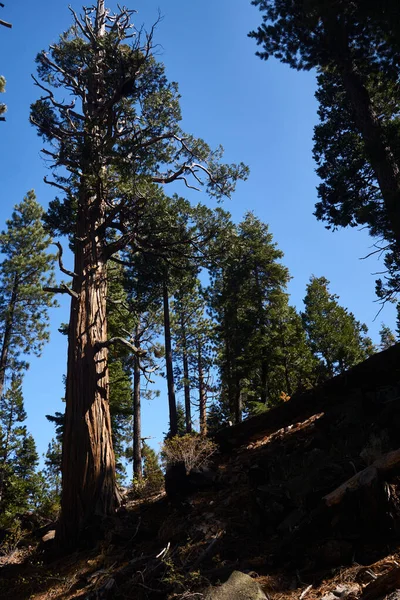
306, 500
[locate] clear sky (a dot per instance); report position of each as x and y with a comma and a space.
262, 113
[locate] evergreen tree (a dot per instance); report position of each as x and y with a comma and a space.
338, 38
52, 471
247, 294
191, 333
152, 473
120, 365
25, 270
181, 420
122, 124
177, 237
387, 336
12, 415
336, 338
293, 367
19, 486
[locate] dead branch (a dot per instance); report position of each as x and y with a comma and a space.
382, 586
123, 342
305, 592
57, 185
63, 289
60, 262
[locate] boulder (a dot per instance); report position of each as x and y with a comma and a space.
239, 587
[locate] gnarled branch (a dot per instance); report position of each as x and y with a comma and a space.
123, 342
60, 262
63, 289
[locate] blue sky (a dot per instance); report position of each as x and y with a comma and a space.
262, 113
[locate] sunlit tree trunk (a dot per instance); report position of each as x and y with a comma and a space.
88, 464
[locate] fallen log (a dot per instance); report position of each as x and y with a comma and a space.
363, 478
382, 586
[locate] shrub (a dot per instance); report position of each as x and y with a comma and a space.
193, 450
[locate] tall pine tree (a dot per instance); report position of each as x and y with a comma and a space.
336, 338
26, 269
106, 147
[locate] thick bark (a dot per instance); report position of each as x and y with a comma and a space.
88, 463
5, 347
137, 418
202, 394
186, 385
173, 417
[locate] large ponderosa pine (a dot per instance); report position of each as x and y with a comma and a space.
106, 144
26, 269
355, 47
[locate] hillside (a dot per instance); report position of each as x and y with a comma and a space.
306, 499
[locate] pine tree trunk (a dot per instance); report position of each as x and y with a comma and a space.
88, 464
8, 327
137, 420
186, 386
173, 417
202, 394
238, 405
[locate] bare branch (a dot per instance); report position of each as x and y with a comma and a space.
64, 289
79, 24
120, 340
5, 24
119, 303
60, 262
57, 185
377, 251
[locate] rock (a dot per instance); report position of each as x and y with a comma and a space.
50, 535
238, 587
394, 595
342, 591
